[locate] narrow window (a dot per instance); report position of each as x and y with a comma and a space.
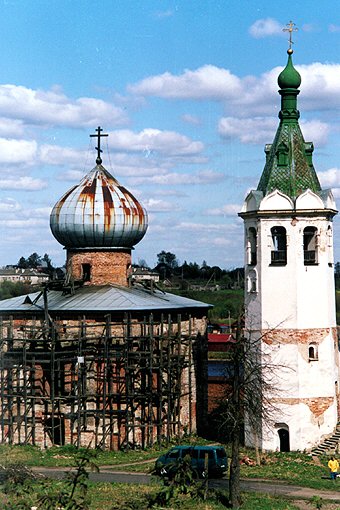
279, 246
310, 246
312, 352
330, 245
252, 281
251, 246
86, 269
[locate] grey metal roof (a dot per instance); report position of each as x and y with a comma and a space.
108, 298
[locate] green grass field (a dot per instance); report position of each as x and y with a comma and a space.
292, 468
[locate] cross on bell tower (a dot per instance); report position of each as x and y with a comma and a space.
98, 149
290, 28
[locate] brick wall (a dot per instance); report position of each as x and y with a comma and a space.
105, 266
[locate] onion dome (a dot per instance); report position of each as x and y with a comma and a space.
289, 78
98, 213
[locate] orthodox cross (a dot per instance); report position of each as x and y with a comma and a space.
98, 149
290, 28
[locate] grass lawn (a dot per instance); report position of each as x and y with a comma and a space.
132, 497
294, 468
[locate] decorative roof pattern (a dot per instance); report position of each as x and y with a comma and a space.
98, 213
289, 167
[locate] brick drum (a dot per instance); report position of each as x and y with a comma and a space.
105, 266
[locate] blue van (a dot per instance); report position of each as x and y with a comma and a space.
216, 458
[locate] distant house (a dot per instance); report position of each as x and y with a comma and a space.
142, 274
28, 276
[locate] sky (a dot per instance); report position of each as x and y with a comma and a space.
187, 92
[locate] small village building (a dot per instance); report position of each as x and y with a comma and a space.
26, 276
289, 294
142, 274
101, 358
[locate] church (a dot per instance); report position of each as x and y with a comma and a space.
100, 359
290, 295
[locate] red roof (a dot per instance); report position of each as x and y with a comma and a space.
220, 338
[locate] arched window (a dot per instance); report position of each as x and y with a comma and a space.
252, 281
251, 246
310, 241
313, 352
279, 246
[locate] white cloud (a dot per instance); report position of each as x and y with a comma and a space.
9, 205
149, 141
334, 28
174, 178
56, 155
191, 119
256, 130
24, 223
164, 14
17, 151
56, 109
39, 212
261, 130
330, 178
320, 86
251, 95
13, 128
265, 27
222, 241
225, 210
203, 227
315, 131
205, 82
71, 175
156, 205
23, 184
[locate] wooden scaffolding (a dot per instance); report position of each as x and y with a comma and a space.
114, 384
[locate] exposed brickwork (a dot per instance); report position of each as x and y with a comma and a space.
297, 336
317, 405
217, 390
105, 266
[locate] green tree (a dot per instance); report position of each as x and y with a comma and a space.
34, 260
168, 258
251, 395
22, 263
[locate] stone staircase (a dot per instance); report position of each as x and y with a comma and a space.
329, 445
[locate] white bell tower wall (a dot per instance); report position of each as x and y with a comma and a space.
290, 309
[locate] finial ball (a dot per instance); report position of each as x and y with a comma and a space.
290, 51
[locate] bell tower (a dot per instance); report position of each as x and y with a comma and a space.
289, 294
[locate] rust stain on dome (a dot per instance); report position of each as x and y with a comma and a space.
58, 206
108, 207
138, 209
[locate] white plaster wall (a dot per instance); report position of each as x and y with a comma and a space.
296, 296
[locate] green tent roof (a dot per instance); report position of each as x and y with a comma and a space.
289, 167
